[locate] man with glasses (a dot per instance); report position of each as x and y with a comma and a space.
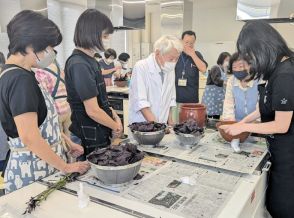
187, 71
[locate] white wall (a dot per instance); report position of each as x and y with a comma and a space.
214, 21
217, 29
4, 42
140, 42
7, 11
65, 14
287, 31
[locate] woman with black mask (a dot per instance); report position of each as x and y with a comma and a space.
273, 61
241, 95
93, 120
27, 112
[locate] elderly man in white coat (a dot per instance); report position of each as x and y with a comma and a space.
152, 92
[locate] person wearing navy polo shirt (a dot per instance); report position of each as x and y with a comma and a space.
187, 71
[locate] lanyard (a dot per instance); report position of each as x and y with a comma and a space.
223, 74
184, 62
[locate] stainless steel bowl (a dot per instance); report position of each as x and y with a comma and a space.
189, 139
149, 138
116, 175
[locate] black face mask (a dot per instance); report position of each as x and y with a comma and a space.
240, 75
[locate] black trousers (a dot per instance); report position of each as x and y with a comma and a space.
280, 191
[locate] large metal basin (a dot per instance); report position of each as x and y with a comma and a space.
116, 175
188, 139
149, 138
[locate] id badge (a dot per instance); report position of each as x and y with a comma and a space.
182, 82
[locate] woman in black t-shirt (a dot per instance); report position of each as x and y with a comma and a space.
27, 112
93, 120
272, 61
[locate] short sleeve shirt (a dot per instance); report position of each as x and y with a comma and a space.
279, 91
83, 81
189, 93
19, 94
105, 66
80, 79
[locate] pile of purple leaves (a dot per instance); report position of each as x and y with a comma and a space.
122, 78
188, 127
147, 127
116, 156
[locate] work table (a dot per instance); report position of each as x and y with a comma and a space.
215, 188
115, 89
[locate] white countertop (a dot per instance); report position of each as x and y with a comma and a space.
58, 204
239, 191
124, 90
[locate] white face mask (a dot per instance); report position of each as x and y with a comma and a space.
226, 64
106, 43
109, 61
169, 67
124, 65
97, 50
48, 59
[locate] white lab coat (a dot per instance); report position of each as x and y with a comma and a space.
147, 90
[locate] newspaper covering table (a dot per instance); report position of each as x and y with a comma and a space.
207, 190
194, 181
176, 187
213, 151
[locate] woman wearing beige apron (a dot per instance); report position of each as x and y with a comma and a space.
27, 112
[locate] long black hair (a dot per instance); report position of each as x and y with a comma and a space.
263, 47
29, 28
89, 29
222, 57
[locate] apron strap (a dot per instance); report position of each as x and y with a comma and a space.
7, 70
58, 80
223, 74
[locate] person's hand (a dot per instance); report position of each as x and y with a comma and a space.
189, 51
170, 123
76, 150
123, 75
117, 132
234, 129
115, 143
118, 67
79, 167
